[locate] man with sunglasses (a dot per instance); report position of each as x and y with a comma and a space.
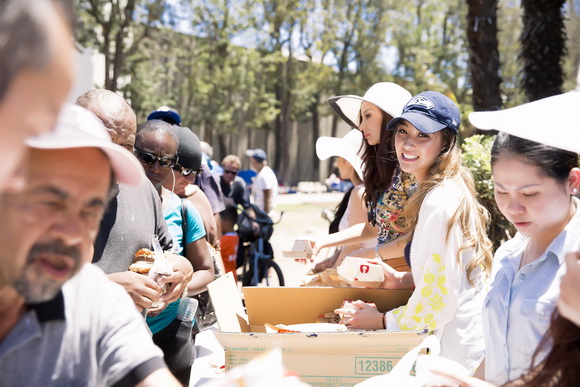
134, 214
233, 187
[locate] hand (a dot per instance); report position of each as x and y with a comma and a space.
182, 273
325, 264
366, 316
155, 310
569, 300
142, 289
393, 278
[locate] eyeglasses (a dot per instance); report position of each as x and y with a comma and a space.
184, 171
148, 158
230, 172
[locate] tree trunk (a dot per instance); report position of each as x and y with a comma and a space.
543, 48
484, 54
315, 133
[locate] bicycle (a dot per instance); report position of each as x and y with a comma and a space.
255, 228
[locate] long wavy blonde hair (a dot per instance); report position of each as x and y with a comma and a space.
472, 217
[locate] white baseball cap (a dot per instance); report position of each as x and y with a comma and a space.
387, 96
77, 127
553, 121
347, 147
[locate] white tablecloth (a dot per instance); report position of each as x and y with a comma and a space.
209, 356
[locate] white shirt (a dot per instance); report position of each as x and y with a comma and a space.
443, 300
518, 307
265, 179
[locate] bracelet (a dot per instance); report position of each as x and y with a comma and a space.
384, 321
377, 252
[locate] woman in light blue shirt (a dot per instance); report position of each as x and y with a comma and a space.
534, 186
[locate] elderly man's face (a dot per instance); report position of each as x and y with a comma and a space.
47, 230
33, 100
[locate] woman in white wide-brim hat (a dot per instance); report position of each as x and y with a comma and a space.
352, 209
386, 188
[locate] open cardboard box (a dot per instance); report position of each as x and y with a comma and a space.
297, 249
320, 359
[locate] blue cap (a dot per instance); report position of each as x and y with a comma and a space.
430, 112
258, 154
166, 114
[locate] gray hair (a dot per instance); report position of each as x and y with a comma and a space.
160, 126
24, 41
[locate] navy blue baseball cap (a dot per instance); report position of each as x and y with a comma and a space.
166, 114
258, 154
430, 112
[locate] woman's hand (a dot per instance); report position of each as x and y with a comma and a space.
366, 316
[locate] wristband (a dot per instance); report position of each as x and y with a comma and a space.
384, 321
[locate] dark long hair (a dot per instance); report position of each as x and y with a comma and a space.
339, 212
379, 165
555, 163
560, 367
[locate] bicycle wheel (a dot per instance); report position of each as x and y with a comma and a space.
270, 273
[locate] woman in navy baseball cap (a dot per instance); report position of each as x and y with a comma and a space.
448, 248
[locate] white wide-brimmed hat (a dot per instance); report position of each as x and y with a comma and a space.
553, 121
77, 127
387, 96
347, 147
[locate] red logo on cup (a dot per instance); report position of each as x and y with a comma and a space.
364, 269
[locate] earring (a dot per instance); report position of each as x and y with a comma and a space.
574, 191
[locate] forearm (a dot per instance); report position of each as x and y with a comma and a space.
352, 235
199, 282
393, 249
267, 200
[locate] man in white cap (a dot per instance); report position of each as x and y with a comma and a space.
62, 322
36, 73
265, 184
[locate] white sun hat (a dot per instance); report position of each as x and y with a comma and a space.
387, 96
553, 121
77, 127
347, 147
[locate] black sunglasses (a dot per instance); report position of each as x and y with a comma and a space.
230, 172
184, 171
148, 158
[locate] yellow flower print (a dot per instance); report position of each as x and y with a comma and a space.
426, 292
419, 308
436, 303
430, 320
437, 258
429, 278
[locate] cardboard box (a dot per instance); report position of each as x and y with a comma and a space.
320, 359
298, 249
359, 272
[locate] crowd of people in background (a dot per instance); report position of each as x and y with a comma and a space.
84, 188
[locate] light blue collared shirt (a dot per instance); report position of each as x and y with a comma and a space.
520, 303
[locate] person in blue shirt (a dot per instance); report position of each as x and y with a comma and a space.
534, 187
156, 148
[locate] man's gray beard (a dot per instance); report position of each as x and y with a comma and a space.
36, 292
36, 288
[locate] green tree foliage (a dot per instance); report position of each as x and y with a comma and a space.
477, 157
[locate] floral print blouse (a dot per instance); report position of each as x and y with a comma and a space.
389, 207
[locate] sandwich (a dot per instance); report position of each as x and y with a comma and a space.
143, 261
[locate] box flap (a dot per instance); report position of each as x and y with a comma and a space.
227, 303
288, 305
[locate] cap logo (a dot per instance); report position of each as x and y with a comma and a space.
421, 101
